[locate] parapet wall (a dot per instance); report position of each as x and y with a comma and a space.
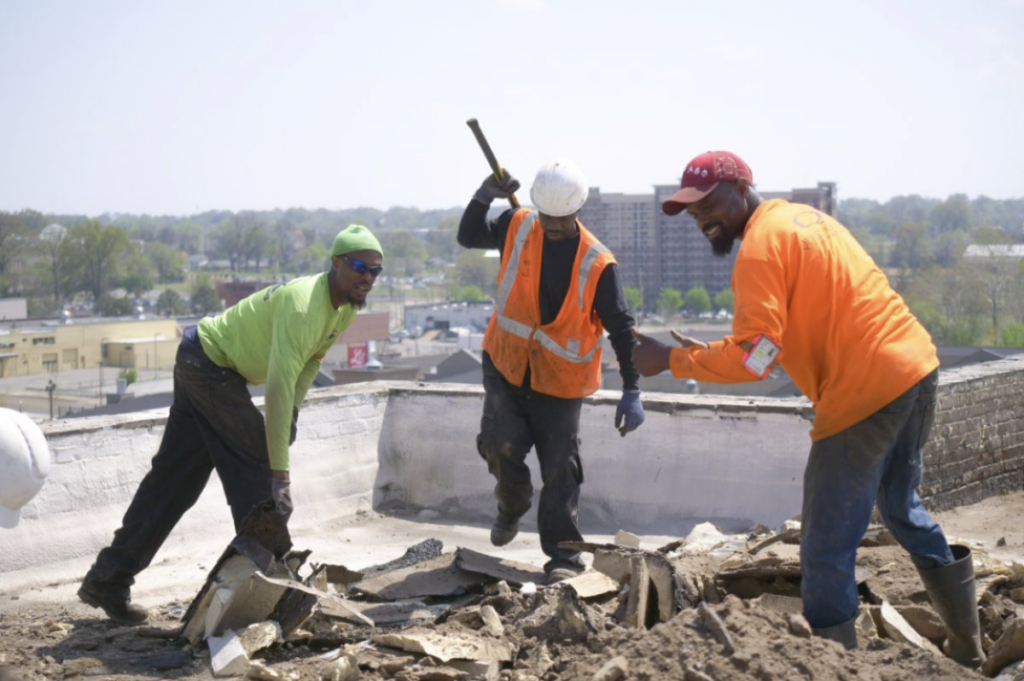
977, 446
387, 445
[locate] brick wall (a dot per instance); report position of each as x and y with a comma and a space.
977, 446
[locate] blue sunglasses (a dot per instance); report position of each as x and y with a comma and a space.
362, 268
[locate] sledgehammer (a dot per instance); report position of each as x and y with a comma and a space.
474, 125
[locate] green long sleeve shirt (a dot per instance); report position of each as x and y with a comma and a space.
277, 337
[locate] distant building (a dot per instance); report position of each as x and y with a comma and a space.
51, 346
444, 316
657, 251
995, 251
13, 308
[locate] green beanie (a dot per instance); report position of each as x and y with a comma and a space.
355, 238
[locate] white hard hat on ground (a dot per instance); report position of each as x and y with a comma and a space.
560, 188
24, 464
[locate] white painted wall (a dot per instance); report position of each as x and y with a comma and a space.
736, 461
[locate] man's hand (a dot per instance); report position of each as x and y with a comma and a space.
281, 493
650, 356
493, 189
630, 412
686, 341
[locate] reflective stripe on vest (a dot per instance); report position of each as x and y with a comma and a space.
505, 290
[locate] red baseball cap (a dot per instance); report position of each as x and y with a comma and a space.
703, 174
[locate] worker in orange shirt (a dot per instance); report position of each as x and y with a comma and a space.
809, 298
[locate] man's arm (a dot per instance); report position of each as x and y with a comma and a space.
288, 351
760, 310
612, 310
475, 230
610, 306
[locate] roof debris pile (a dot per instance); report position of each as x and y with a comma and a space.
710, 606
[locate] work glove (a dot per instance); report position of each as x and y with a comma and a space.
295, 427
630, 412
493, 189
281, 493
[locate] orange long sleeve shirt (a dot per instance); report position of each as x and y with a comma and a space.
848, 340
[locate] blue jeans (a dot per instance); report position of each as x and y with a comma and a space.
878, 459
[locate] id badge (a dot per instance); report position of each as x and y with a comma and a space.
758, 360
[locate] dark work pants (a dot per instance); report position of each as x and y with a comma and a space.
212, 424
514, 420
878, 459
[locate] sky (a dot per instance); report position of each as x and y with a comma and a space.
183, 106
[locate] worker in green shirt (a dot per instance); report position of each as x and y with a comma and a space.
276, 337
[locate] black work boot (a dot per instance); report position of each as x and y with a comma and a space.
845, 633
113, 599
504, 530
952, 593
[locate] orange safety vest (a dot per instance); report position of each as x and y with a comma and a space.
564, 356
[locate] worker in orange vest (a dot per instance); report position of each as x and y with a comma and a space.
808, 297
558, 290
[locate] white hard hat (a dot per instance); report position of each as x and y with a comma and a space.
24, 464
560, 188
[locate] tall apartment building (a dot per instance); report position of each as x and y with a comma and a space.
657, 251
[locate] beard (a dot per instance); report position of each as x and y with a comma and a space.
722, 245
357, 304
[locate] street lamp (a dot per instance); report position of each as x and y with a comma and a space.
50, 387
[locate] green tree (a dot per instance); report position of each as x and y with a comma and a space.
669, 302
130, 375
51, 239
95, 251
948, 248
954, 214
634, 300
204, 296
472, 267
170, 303
138, 273
14, 235
169, 262
724, 299
109, 306
912, 248
1013, 335
697, 300
471, 293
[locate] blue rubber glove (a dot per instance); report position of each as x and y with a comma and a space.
630, 412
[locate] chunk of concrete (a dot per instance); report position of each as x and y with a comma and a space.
439, 577
865, 624
924, 620
489, 670
612, 670
227, 656
627, 540
492, 622
345, 668
615, 563
501, 569
898, 629
261, 672
638, 599
256, 637
1007, 650
449, 646
592, 584
798, 626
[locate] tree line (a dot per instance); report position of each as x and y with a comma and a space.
55, 259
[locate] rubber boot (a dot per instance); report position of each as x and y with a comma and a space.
952, 593
845, 633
